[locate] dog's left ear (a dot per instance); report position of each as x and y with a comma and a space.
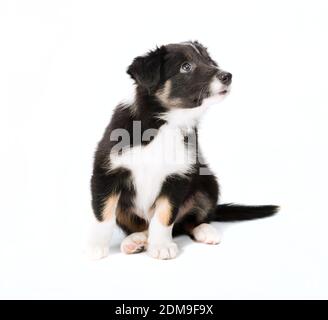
146, 70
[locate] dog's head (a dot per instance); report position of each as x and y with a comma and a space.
180, 75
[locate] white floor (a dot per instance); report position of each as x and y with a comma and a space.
280, 257
63, 70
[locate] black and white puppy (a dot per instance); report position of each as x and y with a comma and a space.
149, 175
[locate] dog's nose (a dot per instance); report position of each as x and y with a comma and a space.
225, 77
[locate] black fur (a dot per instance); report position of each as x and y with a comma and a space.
146, 71
233, 212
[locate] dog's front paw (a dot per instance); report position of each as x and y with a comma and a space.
97, 252
163, 251
134, 243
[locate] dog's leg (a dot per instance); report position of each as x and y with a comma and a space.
173, 192
160, 243
101, 233
108, 188
135, 242
193, 217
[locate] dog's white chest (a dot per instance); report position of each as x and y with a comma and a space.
151, 164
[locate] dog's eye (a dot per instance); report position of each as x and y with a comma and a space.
186, 67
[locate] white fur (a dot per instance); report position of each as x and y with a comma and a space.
151, 164
184, 118
206, 233
160, 243
216, 86
99, 240
135, 242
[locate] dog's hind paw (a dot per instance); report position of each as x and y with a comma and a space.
206, 233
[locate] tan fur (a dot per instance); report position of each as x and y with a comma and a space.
110, 207
164, 210
164, 96
129, 221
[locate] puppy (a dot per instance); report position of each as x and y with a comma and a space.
149, 175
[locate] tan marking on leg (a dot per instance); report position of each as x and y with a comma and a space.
164, 96
164, 210
110, 207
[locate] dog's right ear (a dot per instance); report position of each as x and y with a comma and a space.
146, 70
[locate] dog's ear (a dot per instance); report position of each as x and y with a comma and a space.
204, 52
146, 70
199, 46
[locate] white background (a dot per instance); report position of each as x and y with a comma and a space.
62, 70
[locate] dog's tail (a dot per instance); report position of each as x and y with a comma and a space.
233, 212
